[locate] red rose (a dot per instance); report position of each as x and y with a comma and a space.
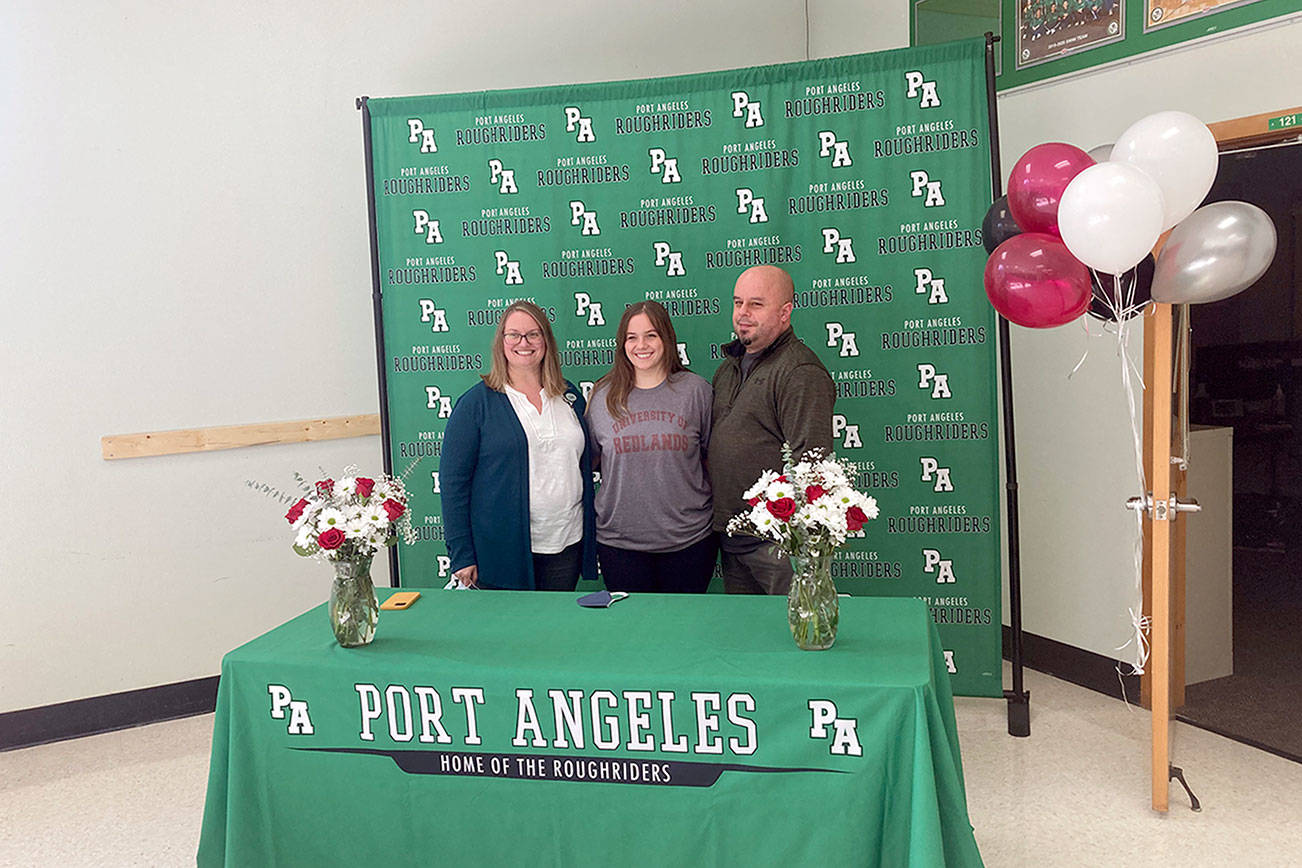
752, 501
331, 538
782, 478
296, 511
326, 487
814, 492
782, 508
365, 486
394, 509
854, 519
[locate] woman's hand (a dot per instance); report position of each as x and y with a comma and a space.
468, 576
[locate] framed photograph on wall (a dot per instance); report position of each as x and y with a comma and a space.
1164, 13
1052, 29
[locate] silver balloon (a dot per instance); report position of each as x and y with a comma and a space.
1216, 252
1100, 153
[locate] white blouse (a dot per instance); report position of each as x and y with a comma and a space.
555, 482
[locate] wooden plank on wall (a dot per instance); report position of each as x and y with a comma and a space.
115, 446
1255, 129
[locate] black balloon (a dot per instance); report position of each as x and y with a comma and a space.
1103, 304
999, 225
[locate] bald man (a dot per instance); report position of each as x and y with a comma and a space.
769, 389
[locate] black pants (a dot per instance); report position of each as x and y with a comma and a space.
686, 571
558, 572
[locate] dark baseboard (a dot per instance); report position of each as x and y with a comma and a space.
1080, 667
32, 726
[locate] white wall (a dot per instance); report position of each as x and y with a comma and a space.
1074, 446
185, 244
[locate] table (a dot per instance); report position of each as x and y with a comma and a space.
517, 728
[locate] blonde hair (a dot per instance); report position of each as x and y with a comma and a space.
499, 372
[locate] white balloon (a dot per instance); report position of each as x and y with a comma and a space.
1110, 216
1178, 152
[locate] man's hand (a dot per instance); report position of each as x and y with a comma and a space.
468, 576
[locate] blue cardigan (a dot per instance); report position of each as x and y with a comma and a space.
484, 476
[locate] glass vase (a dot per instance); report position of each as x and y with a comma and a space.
812, 609
354, 609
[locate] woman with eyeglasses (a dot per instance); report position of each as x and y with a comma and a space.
650, 423
516, 471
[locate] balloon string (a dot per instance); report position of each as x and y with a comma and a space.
1132, 378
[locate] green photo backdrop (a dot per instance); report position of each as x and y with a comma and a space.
866, 177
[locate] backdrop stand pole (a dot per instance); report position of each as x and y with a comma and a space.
1019, 699
377, 314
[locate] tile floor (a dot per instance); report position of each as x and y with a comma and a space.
1075, 793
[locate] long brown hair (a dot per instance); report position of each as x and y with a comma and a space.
621, 377
499, 373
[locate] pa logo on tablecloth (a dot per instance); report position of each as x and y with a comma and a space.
826, 723
282, 702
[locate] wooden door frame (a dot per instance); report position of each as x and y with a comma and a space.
1165, 673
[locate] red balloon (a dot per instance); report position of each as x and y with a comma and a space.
1037, 182
1034, 281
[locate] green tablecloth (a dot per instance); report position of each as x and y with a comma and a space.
682, 730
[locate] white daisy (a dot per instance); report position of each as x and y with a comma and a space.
331, 517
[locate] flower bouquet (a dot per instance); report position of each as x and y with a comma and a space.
345, 522
807, 512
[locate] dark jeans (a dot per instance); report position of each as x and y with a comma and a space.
558, 572
758, 571
686, 571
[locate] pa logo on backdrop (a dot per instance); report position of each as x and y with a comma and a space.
933, 563
744, 106
926, 283
749, 203
416, 132
427, 227
665, 166
917, 87
845, 433
445, 565
436, 400
508, 267
581, 216
932, 472
436, 316
502, 176
928, 376
842, 246
576, 123
837, 335
682, 355
829, 146
924, 186
583, 304
669, 259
